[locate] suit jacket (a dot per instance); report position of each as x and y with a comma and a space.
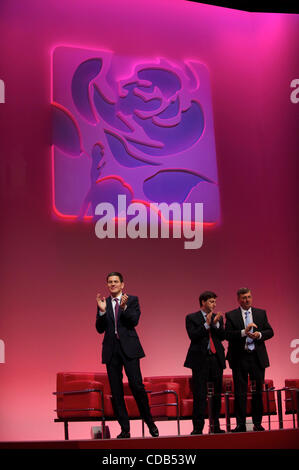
127, 319
199, 336
234, 325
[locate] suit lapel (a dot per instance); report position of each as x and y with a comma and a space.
110, 308
254, 315
200, 317
240, 319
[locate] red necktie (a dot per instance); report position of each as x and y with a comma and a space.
115, 315
212, 345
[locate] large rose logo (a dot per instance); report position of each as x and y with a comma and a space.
142, 128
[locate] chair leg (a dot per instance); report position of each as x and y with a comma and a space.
178, 418
66, 430
103, 429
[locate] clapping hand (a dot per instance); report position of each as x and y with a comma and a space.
101, 301
124, 300
217, 317
209, 318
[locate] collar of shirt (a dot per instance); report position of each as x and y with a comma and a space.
244, 311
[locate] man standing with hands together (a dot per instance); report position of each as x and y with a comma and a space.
247, 328
117, 317
206, 359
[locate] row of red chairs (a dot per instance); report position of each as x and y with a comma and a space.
86, 396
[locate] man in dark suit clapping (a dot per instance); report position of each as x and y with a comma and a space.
206, 359
117, 317
246, 329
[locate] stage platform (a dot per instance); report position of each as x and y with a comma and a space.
277, 439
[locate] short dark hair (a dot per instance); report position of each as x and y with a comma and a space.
206, 295
242, 290
114, 273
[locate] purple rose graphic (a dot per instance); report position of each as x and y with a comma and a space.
141, 128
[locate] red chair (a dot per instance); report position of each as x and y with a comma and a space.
86, 396
292, 398
79, 397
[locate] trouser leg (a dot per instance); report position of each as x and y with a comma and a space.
257, 375
240, 377
132, 368
115, 375
199, 390
215, 376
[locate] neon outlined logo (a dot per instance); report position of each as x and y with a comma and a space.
139, 127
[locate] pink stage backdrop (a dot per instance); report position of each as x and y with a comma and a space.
53, 265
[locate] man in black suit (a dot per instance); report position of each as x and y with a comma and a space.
206, 359
117, 317
247, 328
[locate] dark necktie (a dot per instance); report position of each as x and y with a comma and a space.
115, 315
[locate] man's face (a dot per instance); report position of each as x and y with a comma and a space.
245, 300
115, 286
208, 305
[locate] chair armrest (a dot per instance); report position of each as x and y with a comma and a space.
168, 390
165, 399
80, 398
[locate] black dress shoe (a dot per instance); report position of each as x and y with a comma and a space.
258, 427
124, 435
217, 430
240, 428
154, 431
196, 431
